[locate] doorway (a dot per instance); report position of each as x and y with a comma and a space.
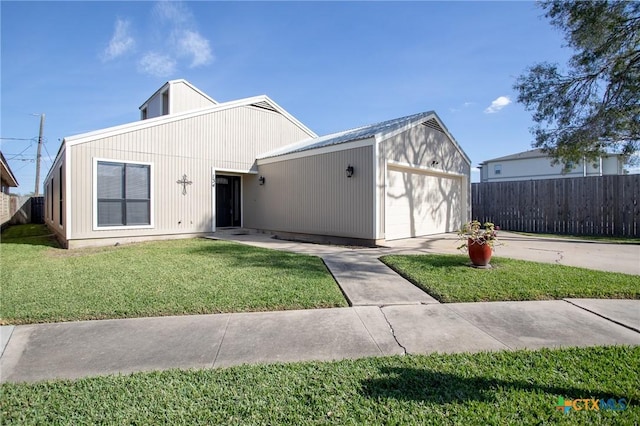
228, 201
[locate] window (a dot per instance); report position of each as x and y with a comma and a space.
497, 169
165, 103
49, 201
123, 194
52, 203
60, 198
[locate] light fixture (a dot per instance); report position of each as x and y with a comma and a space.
261, 180
434, 163
349, 170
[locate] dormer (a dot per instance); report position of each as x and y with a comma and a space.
173, 97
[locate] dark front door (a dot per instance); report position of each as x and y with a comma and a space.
227, 201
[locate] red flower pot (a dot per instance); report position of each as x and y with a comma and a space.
480, 254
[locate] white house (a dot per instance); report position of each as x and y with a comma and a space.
192, 165
535, 164
7, 181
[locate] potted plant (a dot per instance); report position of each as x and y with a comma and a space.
479, 239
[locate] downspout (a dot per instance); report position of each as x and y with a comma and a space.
600, 166
584, 166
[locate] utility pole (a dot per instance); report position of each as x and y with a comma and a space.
37, 190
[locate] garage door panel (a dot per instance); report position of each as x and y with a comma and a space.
421, 204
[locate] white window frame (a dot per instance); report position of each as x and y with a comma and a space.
95, 195
497, 169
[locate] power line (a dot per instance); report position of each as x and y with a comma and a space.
23, 151
46, 150
17, 139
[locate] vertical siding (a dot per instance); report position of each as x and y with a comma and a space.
312, 195
186, 99
5, 212
228, 139
52, 194
419, 146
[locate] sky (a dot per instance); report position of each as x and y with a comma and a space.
333, 65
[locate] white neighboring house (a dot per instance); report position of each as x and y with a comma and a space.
535, 164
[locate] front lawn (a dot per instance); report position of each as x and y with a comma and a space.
449, 279
497, 388
41, 283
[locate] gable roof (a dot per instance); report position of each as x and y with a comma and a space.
181, 80
380, 131
533, 153
5, 172
262, 101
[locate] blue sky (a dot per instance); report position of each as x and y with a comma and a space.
334, 66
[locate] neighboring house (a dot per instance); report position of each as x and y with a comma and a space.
7, 180
535, 164
193, 165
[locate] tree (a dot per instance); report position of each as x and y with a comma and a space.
594, 107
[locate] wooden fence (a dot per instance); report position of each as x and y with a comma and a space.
595, 205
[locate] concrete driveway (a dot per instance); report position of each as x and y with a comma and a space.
623, 258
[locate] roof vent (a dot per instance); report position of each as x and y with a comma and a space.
433, 124
264, 105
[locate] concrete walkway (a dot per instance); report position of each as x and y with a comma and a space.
364, 280
89, 348
389, 316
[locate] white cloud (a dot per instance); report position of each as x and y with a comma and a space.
499, 103
173, 12
191, 43
157, 64
180, 45
121, 42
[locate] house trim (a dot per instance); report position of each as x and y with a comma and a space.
165, 119
227, 172
94, 196
318, 151
172, 82
420, 168
376, 190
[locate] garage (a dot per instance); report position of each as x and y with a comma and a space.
418, 203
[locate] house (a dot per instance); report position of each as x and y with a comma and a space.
7, 180
535, 164
192, 165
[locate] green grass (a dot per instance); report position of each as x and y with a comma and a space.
41, 283
491, 388
449, 279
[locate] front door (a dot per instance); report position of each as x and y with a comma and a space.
227, 201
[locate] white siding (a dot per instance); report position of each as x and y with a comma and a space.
312, 195
542, 168
426, 197
185, 98
418, 203
228, 139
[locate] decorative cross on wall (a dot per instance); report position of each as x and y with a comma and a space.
184, 182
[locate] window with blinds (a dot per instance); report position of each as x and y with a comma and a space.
124, 194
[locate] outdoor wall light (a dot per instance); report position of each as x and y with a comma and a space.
261, 180
349, 170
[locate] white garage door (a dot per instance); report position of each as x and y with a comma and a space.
418, 204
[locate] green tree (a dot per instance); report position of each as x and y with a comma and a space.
594, 106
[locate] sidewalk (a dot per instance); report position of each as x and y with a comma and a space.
89, 348
389, 316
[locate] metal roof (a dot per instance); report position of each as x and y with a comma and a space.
359, 133
5, 172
